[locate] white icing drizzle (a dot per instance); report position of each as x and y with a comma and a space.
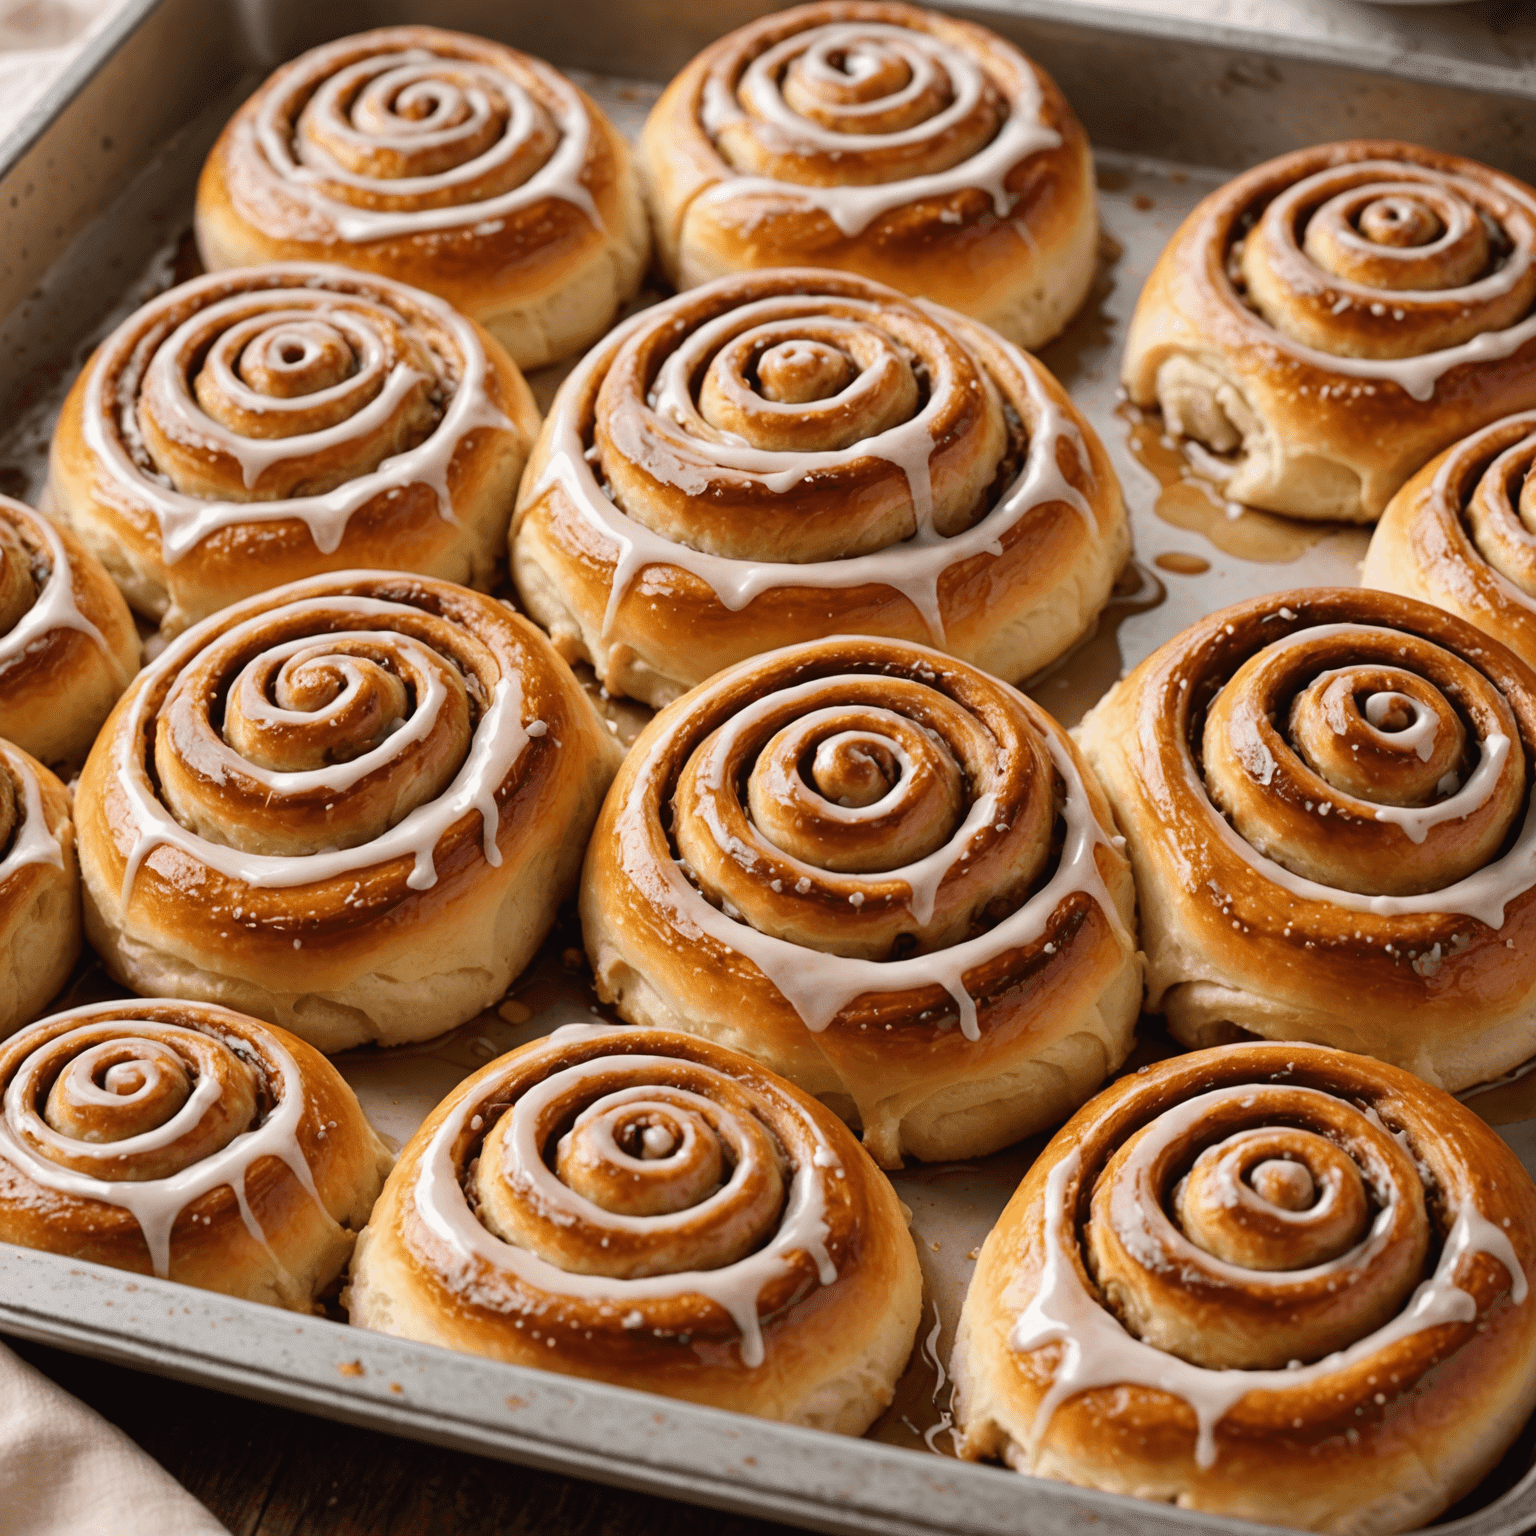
1419, 736
498, 742
1097, 1351
185, 521
1484, 894
913, 567
440, 1203
156, 1203
1417, 820
818, 985
854, 208
55, 607
306, 176
31, 841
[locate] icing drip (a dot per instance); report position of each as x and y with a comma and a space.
307, 170
498, 742
1483, 895
1097, 1351
819, 985
913, 567
55, 607
31, 842
854, 208
185, 520
735, 1287
156, 1203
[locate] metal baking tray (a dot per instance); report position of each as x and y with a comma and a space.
95, 203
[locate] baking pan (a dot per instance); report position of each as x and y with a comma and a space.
95, 203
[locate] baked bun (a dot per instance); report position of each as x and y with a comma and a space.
185, 1141
886, 875
781, 456
1462, 534
67, 640
1326, 796
916, 149
350, 806
647, 1209
39, 888
441, 160
1272, 1283
250, 428
1327, 322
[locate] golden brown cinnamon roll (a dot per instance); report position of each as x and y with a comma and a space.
650, 1210
886, 875
350, 806
1326, 795
913, 148
251, 428
1328, 321
39, 888
781, 456
441, 160
1276, 1283
185, 1141
1462, 534
68, 645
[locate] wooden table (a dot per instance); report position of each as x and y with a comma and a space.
268, 1471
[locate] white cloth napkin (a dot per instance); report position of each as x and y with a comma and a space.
65, 1471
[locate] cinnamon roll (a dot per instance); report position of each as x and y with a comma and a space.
185, 1141
1327, 800
886, 875
250, 428
1327, 322
913, 148
39, 888
1462, 534
68, 645
648, 1209
350, 806
441, 160
781, 456
1274, 1283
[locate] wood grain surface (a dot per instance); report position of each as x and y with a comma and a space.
268, 1471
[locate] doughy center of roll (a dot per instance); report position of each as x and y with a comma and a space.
1367, 759
800, 371
666, 1166
1274, 1199
1252, 1225
325, 741
131, 1099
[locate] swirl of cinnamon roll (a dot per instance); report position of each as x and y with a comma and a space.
350, 806
1327, 800
882, 139
1274, 1283
781, 456
251, 428
444, 161
651, 1210
68, 645
1327, 322
39, 888
886, 875
186, 1141
1462, 534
